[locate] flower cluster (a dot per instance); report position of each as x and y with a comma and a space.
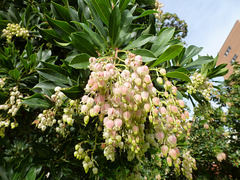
200, 84
188, 164
158, 7
221, 156
11, 106
87, 161
49, 116
14, 30
133, 113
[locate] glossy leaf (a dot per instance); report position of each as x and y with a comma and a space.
36, 103
147, 55
50, 35
178, 75
60, 12
163, 38
80, 61
74, 92
139, 41
114, 26
103, 9
99, 26
83, 43
96, 38
197, 64
145, 13
169, 54
52, 75
15, 74
61, 27
190, 52
123, 4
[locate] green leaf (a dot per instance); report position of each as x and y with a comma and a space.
36, 103
123, 4
147, 55
74, 92
50, 35
103, 9
32, 173
83, 43
15, 74
170, 53
27, 17
139, 41
197, 64
96, 38
81, 61
52, 75
163, 38
145, 13
184, 70
178, 75
60, 12
99, 26
61, 27
48, 85
190, 52
217, 73
114, 26
29, 48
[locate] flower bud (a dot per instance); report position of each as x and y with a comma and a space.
172, 140
118, 123
147, 107
173, 153
144, 96
163, 72
160, 80
95, 170
164, 150
86, 120
159, 136
135, 129
126, 115
169, 161
155, 101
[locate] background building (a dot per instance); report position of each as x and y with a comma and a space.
230, 51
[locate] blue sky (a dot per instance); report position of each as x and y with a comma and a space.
209, 21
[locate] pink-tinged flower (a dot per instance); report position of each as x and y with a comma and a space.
155, 101
135, 129
178, 122
117, 91
126, 115
186, 114
138, 113
113, 134
92, 112
168, 84
189, 125
137, 98
95, 86
138, 81
141, 70
84, 99
173, 154
91, 82
111, 71
99, 99
174, 109
170, 120
138, 58
147, 107
163, 111
159, 136
174, 90
105, 120
98, 66
164, 150
125, 73
134, 76
92, 60
155, 112
119, 112
221, 156
144, 95
166, 94
172, 140
124, 90
183, 117
118, 123
96, 109
147, 79
206, 126
102, 83
177, 151
84, 109
169, 161
90, 101
163, 72
181, 103
109, 66
127, 62
111, 112
109, 124
105, 107
106, 75
127, 85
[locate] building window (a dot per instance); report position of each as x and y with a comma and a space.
234, 58
227, 51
